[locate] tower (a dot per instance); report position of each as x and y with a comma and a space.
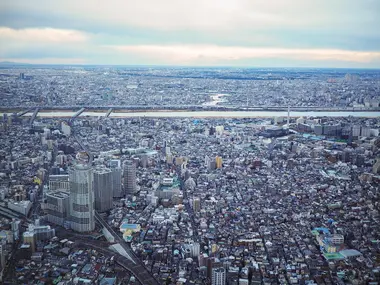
102, 189
117, 190
196, 204
219, 162
82, 212
130, 177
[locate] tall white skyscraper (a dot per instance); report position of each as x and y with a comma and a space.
130, 177
116, 170
103, 189
82, 208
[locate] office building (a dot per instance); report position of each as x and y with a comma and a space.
57, 207
59, 182
130, 177
103, 189
65, 128
218, 162
82, 210
15, 227
23, 207
196, 204
37, 233
117, 190
218, 276
3, 254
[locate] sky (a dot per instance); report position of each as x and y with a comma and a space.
251, 33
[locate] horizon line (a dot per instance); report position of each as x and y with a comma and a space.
12, 63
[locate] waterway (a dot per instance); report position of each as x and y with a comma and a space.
215, 100
209, 114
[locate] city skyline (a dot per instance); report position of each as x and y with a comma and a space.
214, 33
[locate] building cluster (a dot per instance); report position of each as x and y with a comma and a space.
199, 201
202, 87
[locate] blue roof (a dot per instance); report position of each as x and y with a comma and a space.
108, 281
324, 230
129, 226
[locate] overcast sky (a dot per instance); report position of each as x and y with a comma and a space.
262, 33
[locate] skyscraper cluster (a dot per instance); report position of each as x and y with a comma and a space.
89, 190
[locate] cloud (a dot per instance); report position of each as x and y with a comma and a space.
211, 54
42, 35
47, 60
193, 32
221, 15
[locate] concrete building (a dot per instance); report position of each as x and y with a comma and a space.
59, 182
130, 186
37, 233
66, 129
218, 276
103, 189
117, 190
218, 162
57, 206
196, 204
82, 208
22, 207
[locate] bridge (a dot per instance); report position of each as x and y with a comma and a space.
77, 114
24, 112
109, 112
33, 117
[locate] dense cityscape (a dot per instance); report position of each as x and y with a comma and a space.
100, 199
160, 87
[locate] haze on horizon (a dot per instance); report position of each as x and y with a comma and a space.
258, 33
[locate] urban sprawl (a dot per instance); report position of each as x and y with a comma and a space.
157, 200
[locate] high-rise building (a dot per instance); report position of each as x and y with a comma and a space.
218, 276
66, 129
82, 210
117, 190
219, 162
3, 255
130, 177
196, 204
15, 227
57, 207
103, 189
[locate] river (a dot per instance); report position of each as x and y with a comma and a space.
209, 114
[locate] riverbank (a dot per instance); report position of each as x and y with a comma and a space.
203, 114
